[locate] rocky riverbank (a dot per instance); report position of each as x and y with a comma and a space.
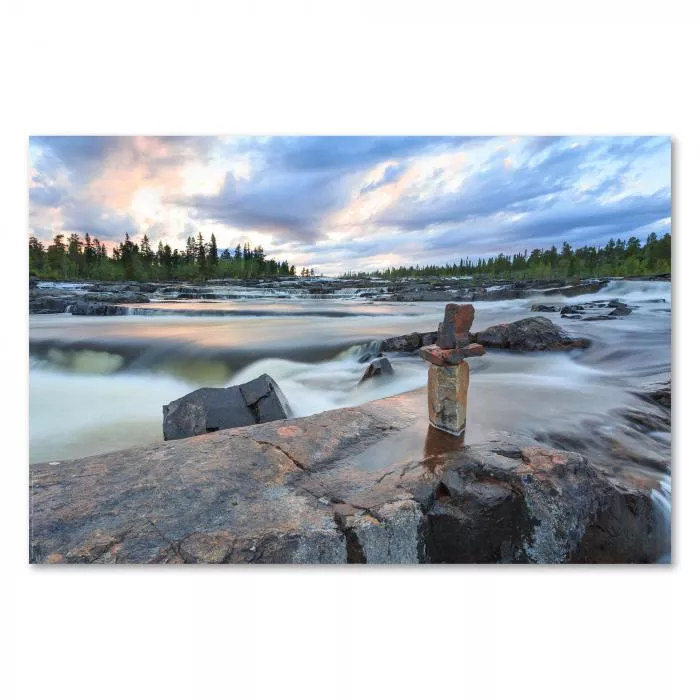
93, 298
373, 484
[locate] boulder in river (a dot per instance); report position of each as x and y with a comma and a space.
411, 342
531, 334
208, 410
97, 308
596, 310
546, 308
117, 297
576, 289
381, 367
48, 305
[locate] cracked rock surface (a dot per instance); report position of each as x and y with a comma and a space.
373, 484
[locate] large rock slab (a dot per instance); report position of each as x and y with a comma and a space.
530, 334
373, 484
207, 410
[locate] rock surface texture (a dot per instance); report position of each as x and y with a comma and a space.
531, 334
447, 397
381, 367
373, 484
208, 410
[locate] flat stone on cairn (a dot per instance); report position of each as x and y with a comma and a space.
448, 374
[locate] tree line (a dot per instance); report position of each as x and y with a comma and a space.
616, 259
87, 258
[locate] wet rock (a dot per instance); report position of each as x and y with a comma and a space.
117, 298
33, 281
93, 308
577, 289
411, 342
657, 392
48, 305
619, 308
596, 310
447, 397
381, 367
342, 486
197, 295
264, 397
208, 410
530, 334
546, 308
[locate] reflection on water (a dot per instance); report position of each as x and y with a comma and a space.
437, 445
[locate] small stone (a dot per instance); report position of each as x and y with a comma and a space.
441, 356
377, 368
473, 350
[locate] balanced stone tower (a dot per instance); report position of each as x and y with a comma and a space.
448, 374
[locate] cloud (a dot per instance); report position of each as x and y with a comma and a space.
582, 223
82, 216
291, 205
355, 201
352, 152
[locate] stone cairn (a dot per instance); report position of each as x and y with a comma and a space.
448, 374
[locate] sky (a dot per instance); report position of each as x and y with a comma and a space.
360, 203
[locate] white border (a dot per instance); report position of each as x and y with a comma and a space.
313, 67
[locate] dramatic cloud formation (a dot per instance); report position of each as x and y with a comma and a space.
339, 203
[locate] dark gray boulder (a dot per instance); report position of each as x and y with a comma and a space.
48, 305
265, 399
118, 297
381, 367
208, 410
410, 342
546, 308
577, 289
96, 308
596, 310
531, 334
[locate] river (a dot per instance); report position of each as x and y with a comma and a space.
98, 384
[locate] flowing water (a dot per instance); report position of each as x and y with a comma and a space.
98, 384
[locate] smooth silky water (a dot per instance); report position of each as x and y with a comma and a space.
98, 384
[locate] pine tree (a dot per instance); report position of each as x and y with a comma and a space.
212, 254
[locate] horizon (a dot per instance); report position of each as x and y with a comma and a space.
353, 203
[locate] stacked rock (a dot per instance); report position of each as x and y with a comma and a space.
448, 374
